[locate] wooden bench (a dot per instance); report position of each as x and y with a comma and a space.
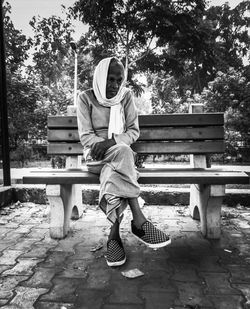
195, 134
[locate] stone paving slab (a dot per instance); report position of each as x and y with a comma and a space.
39, 272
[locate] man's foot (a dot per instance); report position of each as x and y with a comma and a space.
115, 253
150, 235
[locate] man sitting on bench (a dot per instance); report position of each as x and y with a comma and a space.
108, 125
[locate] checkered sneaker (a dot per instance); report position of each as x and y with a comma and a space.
150, 235
115, 253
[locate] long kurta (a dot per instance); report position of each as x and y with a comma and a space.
118, 176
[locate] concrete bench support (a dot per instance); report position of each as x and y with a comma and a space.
205, 204
77, 206
205, 200
60, 200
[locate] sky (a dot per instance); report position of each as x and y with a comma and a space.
232, 3
24, 10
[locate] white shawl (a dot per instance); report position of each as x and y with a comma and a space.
117, 118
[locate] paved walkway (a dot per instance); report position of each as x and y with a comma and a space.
38, 272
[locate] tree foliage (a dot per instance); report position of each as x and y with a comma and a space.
34, 92
54, 62
231, 34
230, 93
182, 38
216, 40
22, 96
138, 31
17, 45
52, 37
115, 27
21, 92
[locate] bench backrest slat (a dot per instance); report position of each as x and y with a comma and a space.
152, 133
166, 134
148, 148
167, 120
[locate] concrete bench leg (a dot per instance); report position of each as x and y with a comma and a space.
60, 200
73, 162
208, 200
194, 201
78, 208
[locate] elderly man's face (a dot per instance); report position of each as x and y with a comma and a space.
114, 79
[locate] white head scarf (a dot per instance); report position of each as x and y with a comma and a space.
116, 119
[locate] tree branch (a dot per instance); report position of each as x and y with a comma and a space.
121, 38
148, 49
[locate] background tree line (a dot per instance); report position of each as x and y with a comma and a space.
185, 51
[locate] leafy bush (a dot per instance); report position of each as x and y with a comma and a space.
22, 154
230, 93
58, 162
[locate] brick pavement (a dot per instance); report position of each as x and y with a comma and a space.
38, 272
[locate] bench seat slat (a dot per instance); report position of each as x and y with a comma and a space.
147, 176
149, 121
151, 133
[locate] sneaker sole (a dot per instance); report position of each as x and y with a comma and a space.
119, 263
154, 246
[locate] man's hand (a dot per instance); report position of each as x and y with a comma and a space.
99, 149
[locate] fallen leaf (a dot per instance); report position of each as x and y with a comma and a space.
97, 247
132, 273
